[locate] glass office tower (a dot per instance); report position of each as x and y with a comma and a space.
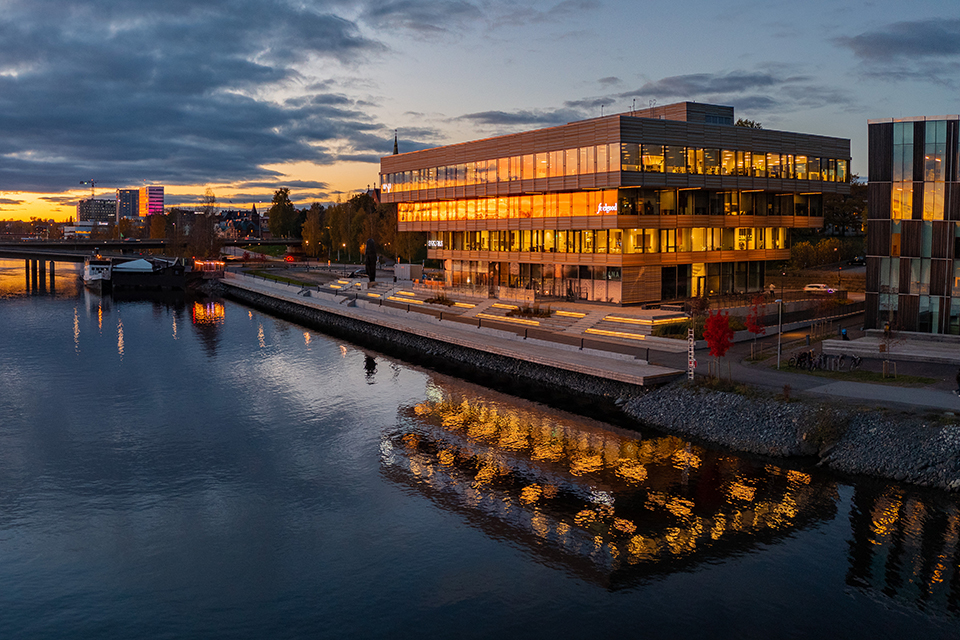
913, 226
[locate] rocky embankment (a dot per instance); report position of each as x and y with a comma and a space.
899, 446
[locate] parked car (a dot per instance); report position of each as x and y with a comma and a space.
857, 261
818, 288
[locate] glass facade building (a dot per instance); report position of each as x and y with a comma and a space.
650, 205
913, 226
150, 201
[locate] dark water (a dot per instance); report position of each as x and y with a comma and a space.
179, 468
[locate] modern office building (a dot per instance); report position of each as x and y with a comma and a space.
96, 210
128, 203
150, 201
913, 226
636, 207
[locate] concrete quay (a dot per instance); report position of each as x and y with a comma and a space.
489, 334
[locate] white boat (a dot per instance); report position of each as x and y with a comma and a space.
97, 273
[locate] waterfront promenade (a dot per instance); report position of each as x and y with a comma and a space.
482, 325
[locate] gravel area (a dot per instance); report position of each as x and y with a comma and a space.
922, 450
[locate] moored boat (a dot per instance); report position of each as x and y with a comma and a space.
97, 272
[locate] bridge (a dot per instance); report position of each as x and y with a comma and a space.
37, 253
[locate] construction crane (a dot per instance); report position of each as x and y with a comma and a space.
93, 185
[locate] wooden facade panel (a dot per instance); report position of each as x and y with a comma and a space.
951, 201
940, 277
942, 239
871, 311
878, 200
872, 281
904, 275
640, 284
880, 149
908, 312
911, 238
878, 237
950, 171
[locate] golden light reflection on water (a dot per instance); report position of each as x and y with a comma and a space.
209, 313
76, 330
120, 338
613, 496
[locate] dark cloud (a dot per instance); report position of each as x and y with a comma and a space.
921, 39
10, 201
697, 84
173, 92
750, 92
609, 81
543, 118
423, 16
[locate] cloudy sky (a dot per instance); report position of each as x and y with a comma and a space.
244, 96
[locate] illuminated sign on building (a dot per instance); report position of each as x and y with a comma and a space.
437, 244
606, 208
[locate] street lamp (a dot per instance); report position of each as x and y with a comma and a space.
779, 330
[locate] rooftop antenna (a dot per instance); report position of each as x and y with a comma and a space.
633, 109
601, 111
396, 149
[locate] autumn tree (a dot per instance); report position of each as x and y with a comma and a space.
282, 214
312, 231
718, 334
750, 124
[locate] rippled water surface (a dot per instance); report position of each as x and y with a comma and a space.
180, 468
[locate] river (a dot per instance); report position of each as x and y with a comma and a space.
174, 468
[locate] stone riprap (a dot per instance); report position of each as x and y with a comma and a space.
922, 450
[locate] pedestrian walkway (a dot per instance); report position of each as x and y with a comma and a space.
592, 362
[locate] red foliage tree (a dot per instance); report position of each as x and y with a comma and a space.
718, 334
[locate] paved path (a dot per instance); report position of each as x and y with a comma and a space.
602, 364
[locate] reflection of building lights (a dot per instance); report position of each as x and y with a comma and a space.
209, 313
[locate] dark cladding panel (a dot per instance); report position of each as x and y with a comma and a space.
904, 275
880, 152
918, 199
878, 201
878, 238
873, 274
944, 315
942, 239
939, 277
871, 310
911, 238
919, 131
951, 204
908, 313
951, 159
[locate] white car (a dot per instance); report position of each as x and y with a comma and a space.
818, 288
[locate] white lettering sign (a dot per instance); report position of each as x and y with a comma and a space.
435, 243
606, 208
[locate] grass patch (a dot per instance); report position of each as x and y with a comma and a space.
277, 278
530, 311
440, 299
275, 250
863, 376
824, 428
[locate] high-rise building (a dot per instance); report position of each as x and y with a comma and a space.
913, 226
150, 201
128, 203
95, 210
657, 204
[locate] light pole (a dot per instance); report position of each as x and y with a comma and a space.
779, 330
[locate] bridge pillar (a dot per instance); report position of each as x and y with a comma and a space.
33, 273
26, 272
52, 274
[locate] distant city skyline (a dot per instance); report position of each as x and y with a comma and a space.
246, 96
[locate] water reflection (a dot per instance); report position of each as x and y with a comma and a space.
904, 545
208, 318
370, 368
17, 279
610, 505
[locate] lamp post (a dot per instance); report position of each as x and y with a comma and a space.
779, 330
